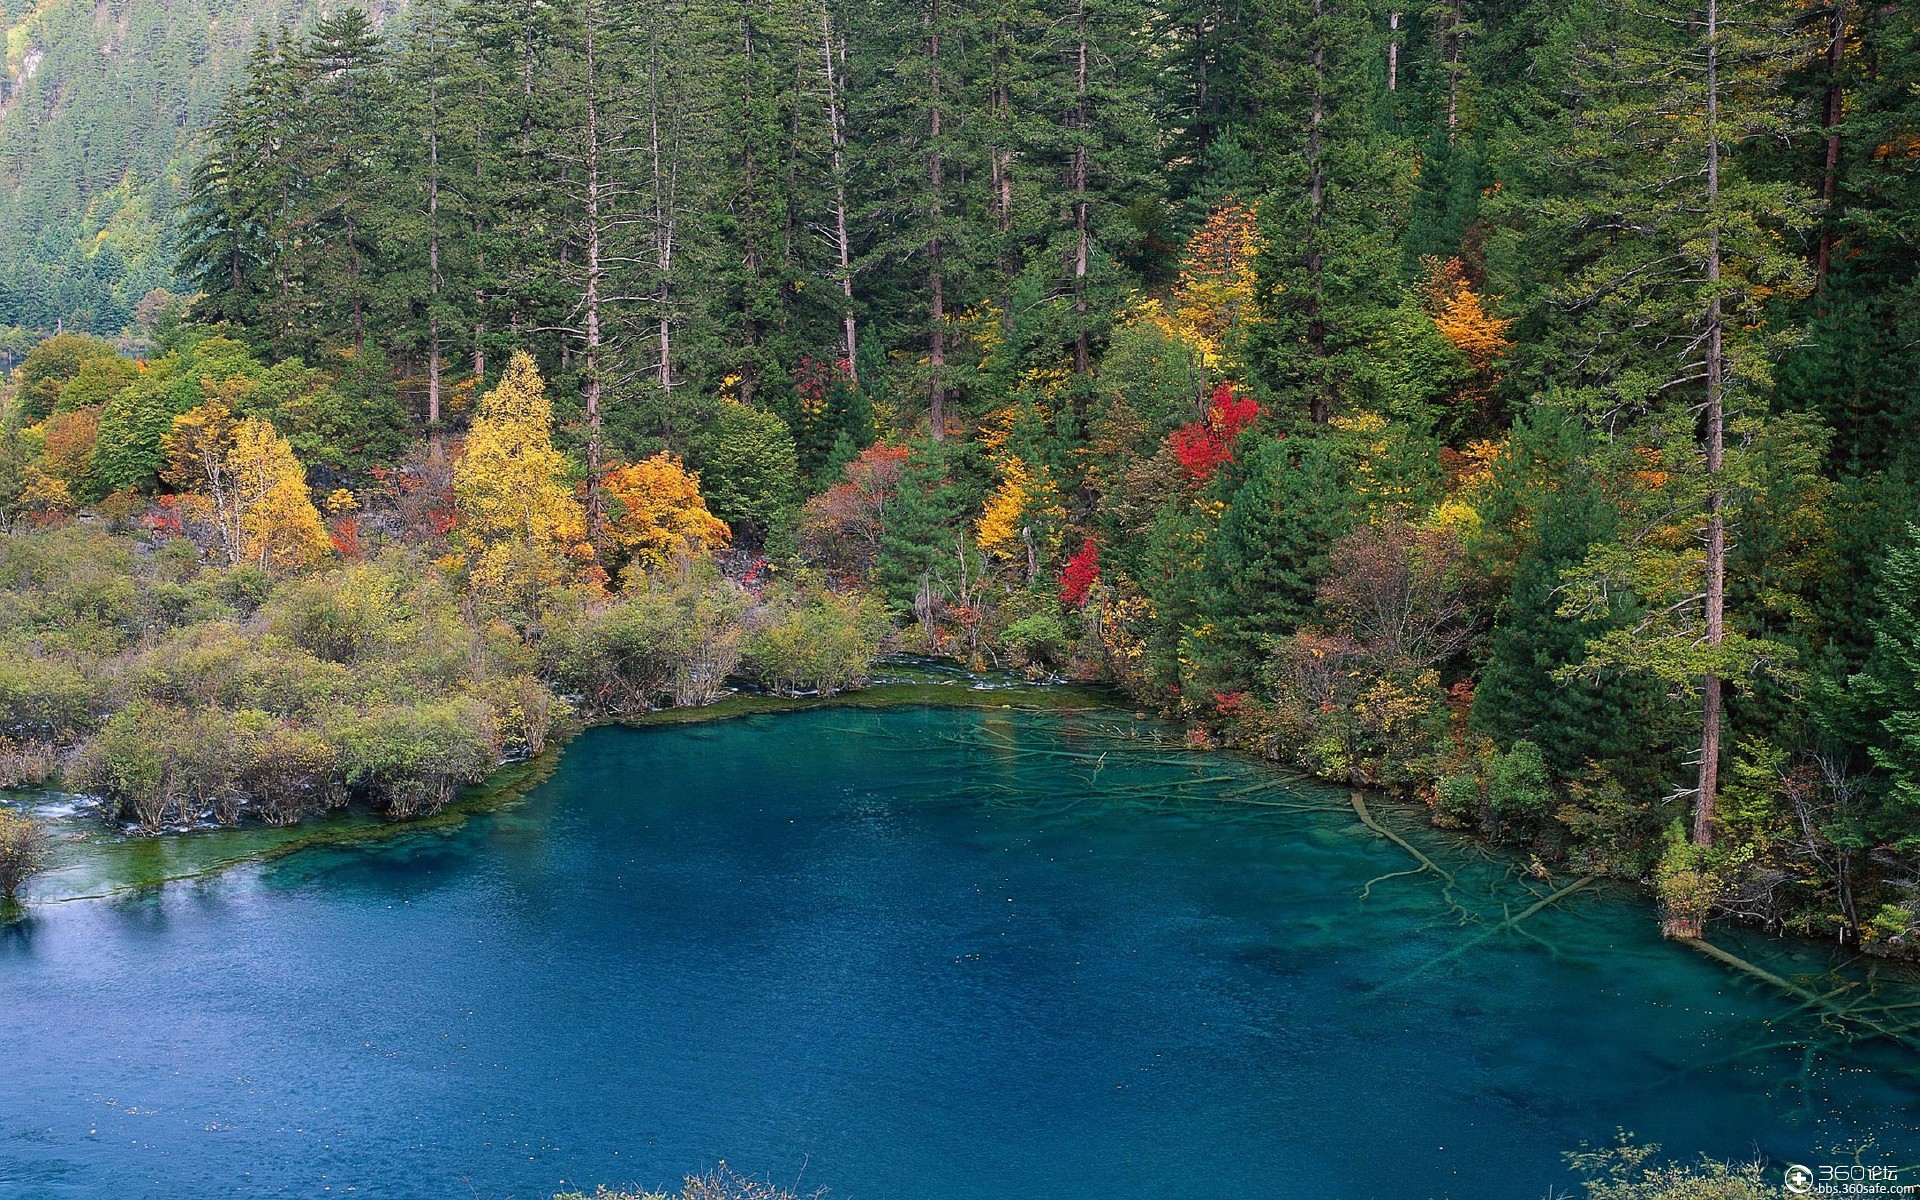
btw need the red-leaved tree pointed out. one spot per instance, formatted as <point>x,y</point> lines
<point>1080,574</point>
<point>1204,445</point>
<point>840,528</point>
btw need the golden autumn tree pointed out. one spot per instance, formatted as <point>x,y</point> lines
<point>196,450</point>
<point>1214,296</point>
<point>518,516</point>
<point>656,513</point>
<point>70,438</point>
<point>43,495</point>
<point>246,489</point>
<point>279,527</point>
<point>1460,314</point>
<point>1021,515</point>
<point>1473,342</point>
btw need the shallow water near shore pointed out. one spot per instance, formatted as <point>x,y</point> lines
<point>905,953</point>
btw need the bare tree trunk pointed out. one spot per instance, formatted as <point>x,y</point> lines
<point>750,247</point>
<point>1000,166</point>
<point>281,279</point>
<point>1716,565</point>
<point>1393,51</point>
<point>1201,84</point>
<point>662,253</point>
<point>479,244</point>
<point>665,212</point>
<point>594,272</point>
<point>353,276</point>
<point>1454,18</point>
<point>789,230</point>
<point>526,94</point>
<point>1830,120</point>
<point>433,272</point>
<point>936,284</point>
<point>518,316</point>
<point>1080,348</point>
<point>836,126</point>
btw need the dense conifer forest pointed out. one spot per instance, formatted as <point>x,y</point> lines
<point>1510,405</point>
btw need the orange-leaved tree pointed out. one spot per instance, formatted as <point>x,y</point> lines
<point>656,514</point>
<point>1461,316</point>
<point>840,528</point>
<point>70,437</point>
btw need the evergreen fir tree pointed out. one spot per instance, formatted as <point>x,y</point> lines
<point>1339,192</point>
<point>1286,507</point>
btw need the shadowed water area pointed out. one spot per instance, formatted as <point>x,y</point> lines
<point>915,953</point>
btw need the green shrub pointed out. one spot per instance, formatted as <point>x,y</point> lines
<point>1892,929</point>
<point>1457,800</point>
<point>816,641</point>
<point>289,770</point>
<point>1609,831</point>
<point>1625,1171</point>
<point>409,759</point>
<point>1691,880</point>
<point>1039,637</point>
<point>221,664</point>
<point>27,763</point>
<point>43,698</point>
<point>525,709</point>
<point>341,616</point>
<point>1519,787</point>
<point>721,1183</point>
<point>673,637</point>
<point>154,762</point>
<point>71,589</point>
<point>24,847</point>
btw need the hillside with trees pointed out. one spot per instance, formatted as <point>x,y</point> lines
<point>1510,405</point>
<point>100,109</point>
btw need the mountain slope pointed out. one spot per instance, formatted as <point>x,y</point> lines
<point>99,106</point>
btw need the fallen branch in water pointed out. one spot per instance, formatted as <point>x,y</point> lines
<point>1511,922</point>
<point>1427,864</point>
<point>1809,999</point>
<point>1367,890</point>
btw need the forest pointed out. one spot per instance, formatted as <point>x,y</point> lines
<point>1508,405</point>
<point>101,108</point>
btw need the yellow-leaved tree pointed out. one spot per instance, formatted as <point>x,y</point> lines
<point>246,489</point>
<point>279,527</point>
<point>1214,298</point>
<point>518,516</point>
<point>658,515</point>
<point>1022,515</point>
<point>1460,314</point>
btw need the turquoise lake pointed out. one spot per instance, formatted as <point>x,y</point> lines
<point>905,954</point>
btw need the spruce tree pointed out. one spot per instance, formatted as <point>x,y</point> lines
<point>1339,187</point>
<point>346,131</point>
<point>1885,694</point>
<point>1286,507</point>
<point>1522,693</point>
<point>930,234</point>
<point>430,280</point>
<point>1676,253</point>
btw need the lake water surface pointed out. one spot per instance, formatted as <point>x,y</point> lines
<point>912,954</point>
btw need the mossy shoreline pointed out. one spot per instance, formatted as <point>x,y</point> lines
<point>97,862</point>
